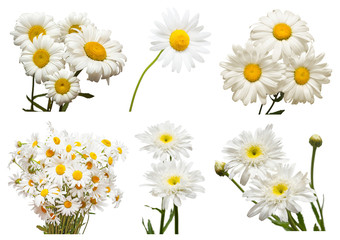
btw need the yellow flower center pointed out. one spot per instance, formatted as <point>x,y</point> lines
<point>282,31</point>
<point>41,58</point>
<point>43,209</point>
<point>68,148</point>
<point>56,140</point>
<point>117,198</point>
<point>120,150</point>
<point>60,169</point>
<point>106,142</point>
<point>30,183</point>
<point>49,153</point>
<point>89,165</point>
<point>110,160</point>
<point>179,40</point>
<point>35,31</point>
<point>252,72</point>
<point>95,51</point>
<point>93,155</point>
<point>67,204</point>
<point>254,151</point>
<point>77,175</point>
<point>73,156</point>
<point>93,201</point>
<point>44,192</point>
<point>108,189</point>
<point>78,144</point>
<point>34,144</point>
<point>166,138</point>
<point>62,86</point>
<point>95,179</point>
<point>83,204</point>
<point>79,186</point>
<point>73,28</point>
<point>301,75</point>
<point>174,180</point>
<point>280,189</point>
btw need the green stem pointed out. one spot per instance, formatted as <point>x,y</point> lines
<point>32,94</point>
<point>312,168</point>
<point>140,79</point>
<point>176,218</point>
<point>292,221</point>
<point>161,231</point>
<point>260,109</point>
<point>275,97</point>
<point>19,166</point>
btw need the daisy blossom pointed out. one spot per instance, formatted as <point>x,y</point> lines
<point>73,24</point>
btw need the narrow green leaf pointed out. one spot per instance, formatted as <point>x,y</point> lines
<point>171,216</point>
<point>36,104</point>
<point>157,209</point>
<point>277,112</point>
<point>41,228</point>
<point>150,229</point>
<point>316,228</point>
<point>301,223</point>
<point>86,95</point>
<point>28,110</point>
<point>146,230</point>
<point>315,212</point>
<point>64,107</point>
<point>284,225</point>
<point>39,95</point>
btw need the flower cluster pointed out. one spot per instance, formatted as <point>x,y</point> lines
<point>279,60</point>
<point>67,176</point>
<point>171,178</point>
<point>48,47</point>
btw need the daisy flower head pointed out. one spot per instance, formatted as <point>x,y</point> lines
<point>250,74</point>
<point>94,50</point>
<point>58,171</point>
<point>253,154</point>
<point>305,76</point>
<point>73,24</point>
<point>47,193</point>
<point>166,140</point>
<point>283,32</point>
<point>116,197</point>
<point>42,57</point>
<point>79,176</point>
<point>173,180</point>
<point>31,25</point>
<point>278,192</point>
<point>62,86</point>
<point>181,40</point>
<point>68,206</point>
<point>122,150</point>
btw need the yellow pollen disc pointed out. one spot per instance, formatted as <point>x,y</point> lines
<point>282,31</point>
<point>41,58</point>
<point>94,189</point>
<point>78,144</point>
<point>18,152</point>
<point>40,181</point>
<point>67,204</point>
<point>83,204</point>
<point>254,151</point>
<point>73,28</point>
<point>110,160</point>
<point>85,156</point>
<point>35,31</point>
<point>166,138</point>
<point>93,201</point>
<point>95,179</point>
<point>62,86</point>
<point>79,187</point>
<point>34,144</point>
<point>89,165</point>
<point>60,169</point>
<point>95,51</point>
<point>49,153</point>
<point>77,175</point>
<point>301,75</point>
<point>108,189</point>
<point>30,182</point>
<point>93,155</point>
<point>68,148</point>
<point>120,150</point>
<point>106,142</point>
<point>43,209</point>
<point>73,156</point>
<point>52,216</point>
<point>44,192</point>
<point>117,198</point>
<point>280,189</point>
<point>179,40</point>
<point>56,140</point>
<point>252,72</point>
<point>174,180</point>
<point>106,175</point>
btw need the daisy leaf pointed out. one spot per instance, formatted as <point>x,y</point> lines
<point>277,112</point>
<point>171,216</point>
<point>86,95</point>
<point>301,222</point>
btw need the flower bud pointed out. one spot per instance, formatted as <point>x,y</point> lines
<point>219,168</point>
<point>19,144</point>
<point>315,140</point>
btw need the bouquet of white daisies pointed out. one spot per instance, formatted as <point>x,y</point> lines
<point>66,176</point>
<point>278,60</point>
<point>274,187</point>
<point>171,178</point>
<point>48,47</point>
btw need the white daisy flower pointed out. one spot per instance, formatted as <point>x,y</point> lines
<point>68,206</point>
<point>62,86</point>
<point>31,25</point>
<point>80,176</point>
<point>304,77</point>
<point>279,192</point>
<point>166,140</point>
<point>98,191</point>
<point>94,50</point>
<point>48,192</point>
<point>52,219</point>
<point>174,181</point>
<point>15,180</point>
<point>251,155</point>
<point>73,24</point>
<point>78,191</point>
<point>122,150</point>
<point>28,185</point>
<point>284,33</point>
<point>41,211</point>
<point>251,73</point>
<point>59,171</point>
<point>116,197</point>
<point>97,204</point>
<point>43,57</point>
<point>181,39</point>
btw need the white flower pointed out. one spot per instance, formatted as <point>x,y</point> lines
<point>58,171</point>
<point>284,33</point>
<point>43,57</point>
<point>48,192</point>
<point>181,39</point>
<point>94,50</point>
<point>62,86</point>
<point>166,140</point>
<point>279,192</point>
<point>68,206</point>
<point>79,176</point>
<point>73,24</point>
<point>116,197</point>
<point>122,150</point>
<point>251,155</point>
<point>31,25</point>
<point>251,73</point>
<point>304,77</point>
<point>173,180</point>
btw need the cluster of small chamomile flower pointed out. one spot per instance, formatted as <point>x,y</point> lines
<point>274,187</point>
<point>48,48</point>
<point>67,176</point>
<point>172,178</point>
<point>279,60</point>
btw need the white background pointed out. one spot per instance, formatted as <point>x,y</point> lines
<point>195,100</point>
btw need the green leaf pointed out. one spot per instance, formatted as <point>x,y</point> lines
<point>277,112</point>
<point>279,99</point>
<point>41,228</point>
<point>64,107</point>
<point>36,104</point>
<point>86,95</point>
<point>285,225</point>
<point>301,223</point>
<point>316,228</point>
<point>157,209</point>
<point>28,110</point>
<point>149,229</point>
<point>316,212</point>
<point>39,95</point>
<point>171,216</point>
<point>146,230</point>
